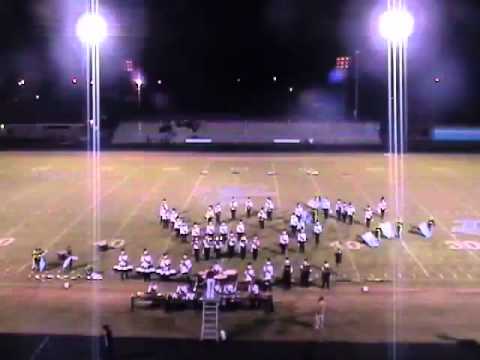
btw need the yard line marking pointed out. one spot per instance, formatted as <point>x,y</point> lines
<point>40,348</point>
<point>277,187</point>
<point>441,276</point>
<point>455,276</point>
<point>469,276</point>
<point>80,216</point>
<point>146,196</point>
<point>195,186</point>
<point>417,261</point>
<point>399,275</point>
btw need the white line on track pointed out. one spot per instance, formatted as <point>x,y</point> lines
<point>79,218</point>
<point>195,186</point>
<point>277,187</point>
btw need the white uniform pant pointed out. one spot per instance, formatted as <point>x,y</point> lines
<point>210,294</point>
<point>319,321</point>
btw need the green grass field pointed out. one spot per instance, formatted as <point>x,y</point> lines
<point>46,202</point>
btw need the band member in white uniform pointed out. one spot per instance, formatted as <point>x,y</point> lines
<point>209,214</point>
<point>123,266</point>
<point>262,216</point>
<point>368,216</point>
<point>172,216</point>
<point>184,231</point>
<point>268,274</point>
<point>248,207</point>
<point>255,246</point>
<point>293,223</point>
<point>299,211</point>
<point>350,213</point>
<point>164,213</point>
<point>232,242</point>
<point>233,207</point>
<point>146,267</point>
<point>240,229</point>
<point>249,273</point>
<point>317,231</point>
<point>223,230</point>
<point>165,269</point>
<point>243,247</point>
<point>399,228</point>
<point>176,226</point>
<point>382,207</point>
<point>196,232</point>
<point>196,249</point>
<point>210,229</point>
<point>301,225</point>
<point>206,247</point>
<point>269,206</point>
<point>301,239</point>
<point>283,242</point>
<point>185,265</point>
<point>338,209</point>
<point>325,205</point>
<point>305,271</point>
<point>218,213</point>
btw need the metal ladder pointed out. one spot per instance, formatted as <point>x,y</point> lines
<point>210,320</point>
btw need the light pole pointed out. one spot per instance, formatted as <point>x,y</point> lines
<point>357,79</point>
<point>139,83</point>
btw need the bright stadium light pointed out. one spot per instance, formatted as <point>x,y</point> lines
<point>396,25</point>
<point>91,29</point>
<point>139,82</point>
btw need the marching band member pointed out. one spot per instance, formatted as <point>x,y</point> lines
<point>268,273</point>
<point>338,257</point>
<point>398,228</point>
<point>382,207</point>
<point>430,223</point>
<point>317,230</point>
<point>287,273</point>
<point>70,258</point>
<point>299,211</point>
<point>209,214</point>
<point>240,229</point>
<point>248,207</point>
<point>325,205</point>
<point>165,267</point>
<point>233,207</point>
<point>196,232</point>
<point>269,206</point>
<point>338,209</point>
<point>164,213</point>
<point>350,213</point>
<point>123,265</point>
<point>249,273</point>
<point>283,242</point>
<point>218,247</point>
<point>255,246</point>
<point>315,205</point>
<point>184,231</point>
<point>243,247</point>
<point>305,271</point>
<point>172,216</point>
<point>294,223</point>
<point>232,242</point>
<point>218,212</point>
<point>146,265</point>
<point>301,239</point>
<point>196,249</point>
<point>326,273</point>
<point>152,288</point>
<point>185,265</point>
<point>344,211</point>
<point>223,230</point>
<point>368,216</point>
<point>164,204</point>
<point>210,230</point>
<point>206,247</point>
<point>38,260</point>
<point>301,225</point>
<point>262,216</point>
<point>176,226</point>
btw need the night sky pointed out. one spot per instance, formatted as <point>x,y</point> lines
<point>199,49</point>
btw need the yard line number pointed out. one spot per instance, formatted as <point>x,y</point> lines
<point>350,245</point>
<point>6,241</point>
<point>463,245</point>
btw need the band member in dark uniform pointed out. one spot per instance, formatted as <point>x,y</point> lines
<point>196,249</point>
<point>398,228</point>
<point>326,273</point>
<point>305,271</point>
<point>206,247</point>
<point>283,242</point>
<point>255,246</point>
<point>243,247</point>
<point>232,241</point>
<point>218,247</point>
<point>338,256</point>
<point>287,274</point>
<point>233,207</point>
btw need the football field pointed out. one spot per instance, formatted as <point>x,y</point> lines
<point>46,202</point>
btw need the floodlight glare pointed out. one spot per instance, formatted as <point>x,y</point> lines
<point>91,29</point>
<point>138,82</point>
<point>396,25</point>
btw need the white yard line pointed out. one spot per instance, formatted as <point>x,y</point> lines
<point>79,218</point>
<point>412,255</point>
<point>276,185</point>
<point>195,186</point>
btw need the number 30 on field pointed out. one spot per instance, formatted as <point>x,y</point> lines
<point>463,245</point>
